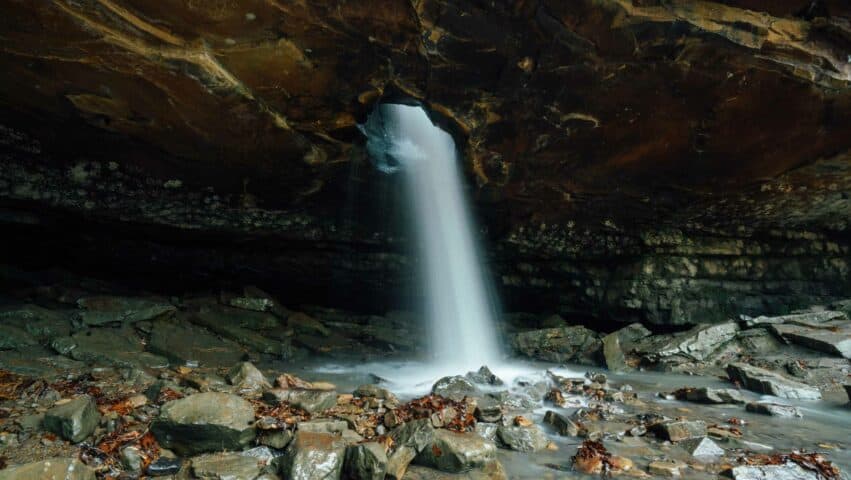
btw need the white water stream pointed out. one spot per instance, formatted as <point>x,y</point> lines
<point>403,139</point>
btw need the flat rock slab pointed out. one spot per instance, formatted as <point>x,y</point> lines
<point>774,409</point>
<point>491,471</point>
<point>109,346</point>
<point>75,420</point>
<point>251,329</point>
<point>834,339</point>
<point>456,452</point>
<point>182,342</point>
<point>765,381</point>
<point>103,310</point>
<point>714,396</point>
<point>314,456</point>
<point>205,422</point>
<point>788,471</point>
<point>226,466</point>
<point>50,469</point>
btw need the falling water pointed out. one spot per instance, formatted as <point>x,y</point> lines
<point>402,138</point>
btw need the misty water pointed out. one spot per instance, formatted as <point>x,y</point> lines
<point>403,140</point>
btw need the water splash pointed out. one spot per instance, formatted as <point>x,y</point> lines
<point>403,139</point>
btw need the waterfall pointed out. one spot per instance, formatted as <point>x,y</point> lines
<point>403,139</point>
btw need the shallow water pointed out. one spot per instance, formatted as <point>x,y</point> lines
<point>825,426</point>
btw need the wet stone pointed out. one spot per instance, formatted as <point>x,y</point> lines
<point>182,342</point>
<point>226,466</point>
<point>313,456</point>
<point>106,310</point>
<point>310,400</point>
<point>205,422</point>
<point>417,434</point>
<point>75,420</point>
<point>374,391</point>
<point>561,424</point>
<point>491,471</point>
<point>666,468</point>
<point>50,469</point>
<point>774,409</point>
<point>455,387</point>
<point>767,382</point>
<point>566,344</point>
<point>367,461</point>
<point>456,452</point>
<point>702,448</point>
<point>164,466</point>
<point>305,324</point>
<point>277,439</point>
<point>788,471</point>
<point>484,376</point>
<point>325,425</point>
<point>109,346</point>
<point>522,439</point>
<point>683,430</point>
<point>247,378</point>
<point>834,338</point>
<point>714,395</point>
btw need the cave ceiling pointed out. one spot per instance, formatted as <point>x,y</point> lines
<point>606,113</point>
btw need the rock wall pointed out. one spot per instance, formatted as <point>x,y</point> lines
<point>669,162</point>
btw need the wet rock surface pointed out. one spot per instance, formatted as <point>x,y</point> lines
<point>73,420</point>
<point>199,418</point>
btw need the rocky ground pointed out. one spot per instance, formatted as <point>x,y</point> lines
<point>100,384</point>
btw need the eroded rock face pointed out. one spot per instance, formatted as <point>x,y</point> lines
<point>671,163</point>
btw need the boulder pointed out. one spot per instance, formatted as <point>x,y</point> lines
<point>455,452</point>
<point>417,434</point>
<point>787,471</point>
<point>75,420</point>
<point>50,469</point>
<point>681,430</point>
<point>561,424</point>
<point>832,338</point>
<point>767,382</point>
<point>313,456</point>
<point>205,422</point>
<point>522,439</point>
<point>366,461</point>
<point>566,344</point>
<point>398,462</point>
<point>311,401</point>
<point>247,378</point>
<point>455,387</point>
<point>226,466</point>
<point>617,345</point>
<point>774,409</point>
